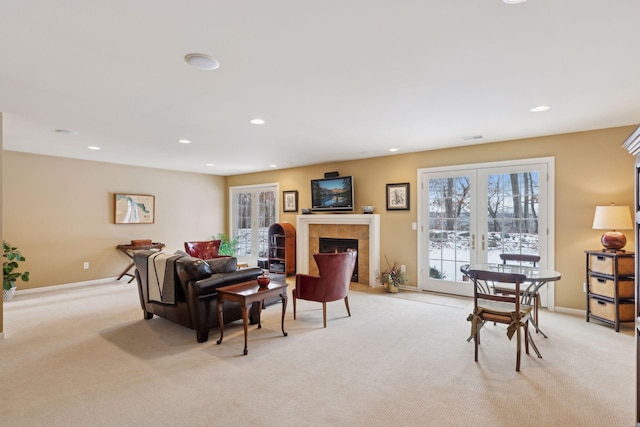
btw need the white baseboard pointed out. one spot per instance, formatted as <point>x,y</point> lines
<point>66,286</point>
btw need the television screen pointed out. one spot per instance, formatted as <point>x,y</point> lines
<point>332,194</point>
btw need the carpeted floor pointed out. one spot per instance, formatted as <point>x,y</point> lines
<point>85,356</point>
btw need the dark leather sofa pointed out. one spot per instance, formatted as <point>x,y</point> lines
<point>196,281</point>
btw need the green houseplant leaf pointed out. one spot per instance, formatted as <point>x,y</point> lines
<point>227,246</point>
<point>11,259</point>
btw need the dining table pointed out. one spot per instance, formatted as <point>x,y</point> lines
<point>536,278</point>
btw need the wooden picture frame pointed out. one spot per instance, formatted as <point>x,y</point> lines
<point>290,201</point>
<point>398,197</point>
<point>134,208</point>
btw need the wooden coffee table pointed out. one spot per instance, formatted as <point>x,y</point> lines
<point>247,294</point>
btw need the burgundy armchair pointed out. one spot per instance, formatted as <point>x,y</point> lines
<point>203,250</point>
<point>332,284</point>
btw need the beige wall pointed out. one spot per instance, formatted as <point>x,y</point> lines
<point>591,169</point>
<point>59,212</point>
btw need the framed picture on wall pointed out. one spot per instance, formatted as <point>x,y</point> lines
<point>290,201</point>
<point>135,209</point>
<point>398,197</point>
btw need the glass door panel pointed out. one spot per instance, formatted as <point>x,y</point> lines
<point>450,235</point>
<point>254,209</point>
<point>512,219</point>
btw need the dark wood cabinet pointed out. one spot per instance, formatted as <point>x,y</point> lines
<point>611,287</point>
<point>282,248</point>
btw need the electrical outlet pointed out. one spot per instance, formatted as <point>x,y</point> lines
<point>403,268</point>
<point>584,287</point>
<point>86,265</point>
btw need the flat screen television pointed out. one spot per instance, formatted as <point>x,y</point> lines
<point>332,194</point>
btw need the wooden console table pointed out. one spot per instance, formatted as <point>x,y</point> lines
<point>129,250</point>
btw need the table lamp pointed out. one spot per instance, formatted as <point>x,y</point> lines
<point>612,218</point>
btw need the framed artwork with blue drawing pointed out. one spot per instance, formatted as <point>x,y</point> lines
<point>134,209</point>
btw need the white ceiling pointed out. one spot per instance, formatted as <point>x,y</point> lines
<point>334,79</point>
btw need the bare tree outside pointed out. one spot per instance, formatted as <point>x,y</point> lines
<point>512,220</point>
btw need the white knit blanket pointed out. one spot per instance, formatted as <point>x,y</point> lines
<point>161,284</point>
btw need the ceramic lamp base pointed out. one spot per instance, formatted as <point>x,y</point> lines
<point>613,240</point>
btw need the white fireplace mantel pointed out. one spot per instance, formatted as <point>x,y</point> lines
<point>302,238</point>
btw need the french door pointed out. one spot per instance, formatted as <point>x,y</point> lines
<point>252,210</point>
<point>472,213</point>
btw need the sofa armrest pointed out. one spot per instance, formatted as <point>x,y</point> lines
<point>207,287</point>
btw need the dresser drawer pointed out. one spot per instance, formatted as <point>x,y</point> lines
<point>605,287</point>
<point>606,310</point>
<point>601,263</point>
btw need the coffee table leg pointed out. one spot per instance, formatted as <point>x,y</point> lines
<point>260,304</point>
<point>245,323</point>
<point>220,319</point>
<point>284,309</point>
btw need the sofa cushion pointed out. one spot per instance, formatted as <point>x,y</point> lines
<point>225,264</point>
<point>190,268</point>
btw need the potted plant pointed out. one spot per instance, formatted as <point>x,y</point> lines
<point>392,277</point>
<point>227,246</point>
<point>11,258</point>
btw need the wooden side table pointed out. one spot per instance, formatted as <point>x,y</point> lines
<point>129,250</point>
<point>246,294</point>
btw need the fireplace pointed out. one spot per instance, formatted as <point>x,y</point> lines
<point>365,228</point>
<point>332,245</point>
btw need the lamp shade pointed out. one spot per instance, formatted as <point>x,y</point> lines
<point>612,218</point>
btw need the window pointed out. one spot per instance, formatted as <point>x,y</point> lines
<point>253,209</point>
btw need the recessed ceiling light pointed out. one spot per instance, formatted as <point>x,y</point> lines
<point>257,121</point>
<point>273,166</point>
<point>513,1</point>
<point>93,147</point>
<point>184,141</point>
<point>472,137</point>
<point>202,61</point>
<point>393,150</point>
<point>65,131</point>
<point>539,108</point>
<point>210,164</point>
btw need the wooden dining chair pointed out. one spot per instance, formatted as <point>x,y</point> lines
<point>503,288</point>
<point>507,309</point>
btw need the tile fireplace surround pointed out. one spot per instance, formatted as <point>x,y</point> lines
<point>364,227</point>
